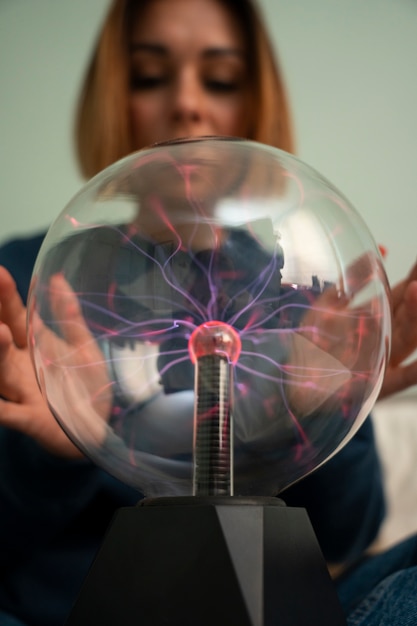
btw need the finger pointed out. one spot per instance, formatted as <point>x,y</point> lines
<point>6,340</point>
<point>410,296</point>
<point>13,311</point>
<point>397,292</point>
<point>11,377</point>
<point>398,379</point>
<point>361,272</point>
<point>67,312</point>
<point>404,333</point>
<point>412,275</point>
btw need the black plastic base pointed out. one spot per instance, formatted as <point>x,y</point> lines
<point>209,562</point>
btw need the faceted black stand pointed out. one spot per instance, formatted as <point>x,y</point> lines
<point>209,561</point>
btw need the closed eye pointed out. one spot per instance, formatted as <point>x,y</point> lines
<point>221,86</point>
<point>143,83</point>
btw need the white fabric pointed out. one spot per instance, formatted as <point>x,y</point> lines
<point>395,421</point>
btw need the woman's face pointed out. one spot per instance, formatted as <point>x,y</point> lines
<point>188,72</point>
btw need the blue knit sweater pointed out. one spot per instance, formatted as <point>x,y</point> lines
<point>54,512</point>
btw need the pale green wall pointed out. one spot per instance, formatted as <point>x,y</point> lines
<point>351,70</point>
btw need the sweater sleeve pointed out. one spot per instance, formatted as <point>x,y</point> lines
<point>40,494</point>
<point>344,498</point>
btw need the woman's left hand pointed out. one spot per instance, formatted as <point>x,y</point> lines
<point>400,375</point>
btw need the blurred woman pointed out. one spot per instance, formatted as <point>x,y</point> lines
<point>161,69</point>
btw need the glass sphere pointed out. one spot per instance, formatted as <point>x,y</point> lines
<point>209,292</point>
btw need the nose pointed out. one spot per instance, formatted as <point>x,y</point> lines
<point>188,104</point>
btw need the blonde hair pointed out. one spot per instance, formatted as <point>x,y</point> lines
<point>102,125</point>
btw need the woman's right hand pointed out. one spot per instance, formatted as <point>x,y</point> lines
<point>22,406</point>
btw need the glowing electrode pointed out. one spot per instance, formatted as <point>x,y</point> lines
<point>214,349</point>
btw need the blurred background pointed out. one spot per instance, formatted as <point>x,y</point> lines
<point>350,67</point>
<point>351,71</point>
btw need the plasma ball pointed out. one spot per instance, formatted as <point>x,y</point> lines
<point>214,338</point>
<point>209,316</point>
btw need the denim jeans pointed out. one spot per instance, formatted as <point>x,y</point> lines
<point>392,603</point>
<point>382,589</point>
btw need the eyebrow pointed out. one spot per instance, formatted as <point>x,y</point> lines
<point>160,50</point>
